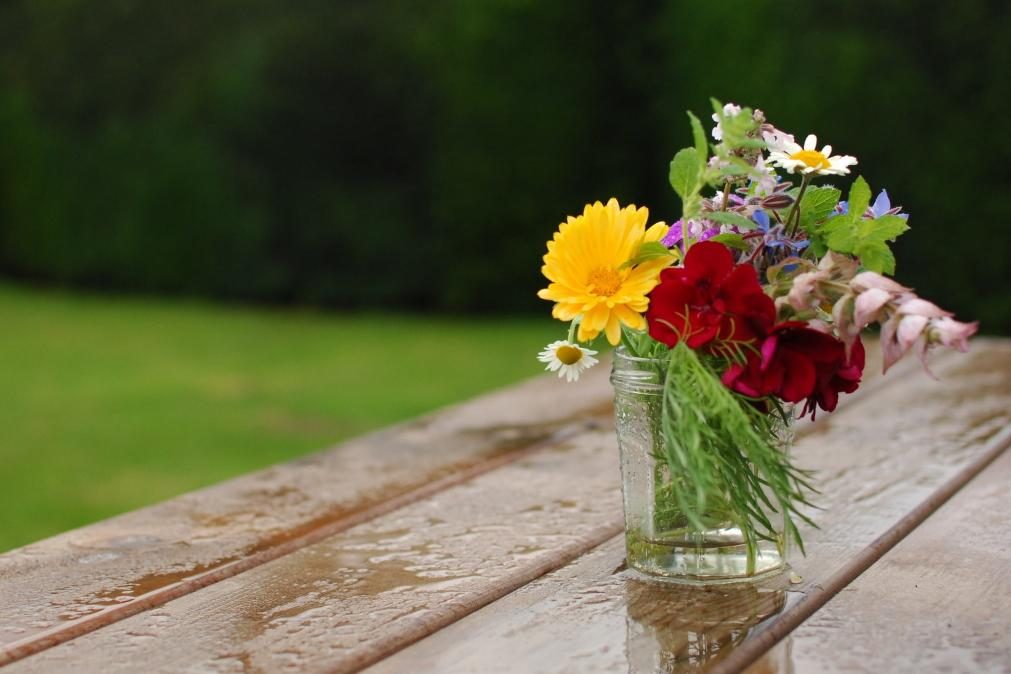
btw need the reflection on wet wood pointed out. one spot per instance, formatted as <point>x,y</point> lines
<point>877,459</point>
<point>674,629</point>
<point>940,600</point>
<point>72,583</point>
<point>373,589</point>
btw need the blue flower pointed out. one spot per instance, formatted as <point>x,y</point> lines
<point>882,206</point>
<point>774,236</point>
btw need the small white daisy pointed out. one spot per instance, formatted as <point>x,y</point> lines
<point>568,359</point>
<point>807,159</point>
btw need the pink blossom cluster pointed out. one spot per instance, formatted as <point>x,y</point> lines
<point>859,299</point>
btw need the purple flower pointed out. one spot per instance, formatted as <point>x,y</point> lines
<point>673,235</point>
<point>697,230</point>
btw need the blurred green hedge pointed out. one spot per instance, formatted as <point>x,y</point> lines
<point>387,153</point>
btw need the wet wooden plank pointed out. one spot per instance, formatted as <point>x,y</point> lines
<point>878,459</point>
<point>197,619</point>
<point>939,601</point>
<point>368,591</point>
<point>78,581</point>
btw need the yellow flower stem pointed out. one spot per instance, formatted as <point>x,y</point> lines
<point>572,330</point>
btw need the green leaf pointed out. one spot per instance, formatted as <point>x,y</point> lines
<point>876,256</point>
<point>885,228</point>
<point>699,135</point>
<point>818,246</point>
<point>735,166</point>
<point>818,204</point>
<point>730,218</point>
<point>685,171</point>
<point>692,206</point>
<point>739,131</point>
<point>840,234</point>
<point>650,250</point>
<point>860,197</point>
<point>730,239</point>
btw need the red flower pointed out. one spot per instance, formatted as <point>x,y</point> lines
<point>709,298</point>
<point>796,363</point>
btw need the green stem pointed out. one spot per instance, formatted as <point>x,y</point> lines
<point>793,218</point>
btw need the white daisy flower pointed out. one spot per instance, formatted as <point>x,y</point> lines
<point>787,154</point>
<point>568,359</point>
<point>729,110</point>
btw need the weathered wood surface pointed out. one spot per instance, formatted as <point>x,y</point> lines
<point>75,582</point>
<point>877,459</point>
<point>368,591</point>
<point>79,581</point>
<point>477,537</point>
<point>939,601</point>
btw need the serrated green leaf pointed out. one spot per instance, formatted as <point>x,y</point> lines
<point>730,239</point>
<point>699,135</point>
<point>840,234</point>
<point>885,228</point>
<point>730,218</point>
<point>818,204</point>
<point>876,256</point>
<point>650,250</point>
<point>685,171</point>
<point>860,197</point>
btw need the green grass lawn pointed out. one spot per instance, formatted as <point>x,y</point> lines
<point>109,404</point>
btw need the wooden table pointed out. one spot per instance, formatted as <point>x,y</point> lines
<point>487,538</point>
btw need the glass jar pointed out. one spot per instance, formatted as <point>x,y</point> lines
<point>660,542</point>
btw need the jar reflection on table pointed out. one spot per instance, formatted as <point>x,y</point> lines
<point>680,628</point>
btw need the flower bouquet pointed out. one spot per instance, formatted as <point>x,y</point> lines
<point>746,310</point>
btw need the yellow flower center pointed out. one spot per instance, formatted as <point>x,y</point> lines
<point>570,355</point>
<point>812,158</point>
<point>604,281</point>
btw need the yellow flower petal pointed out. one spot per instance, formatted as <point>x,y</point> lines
<point>585,264</point>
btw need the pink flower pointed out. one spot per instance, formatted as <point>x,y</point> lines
<point>914,306</point>
<point>951,333</point>
<point>868,306</point>
<point>802,294</point>
<point>868,279</point>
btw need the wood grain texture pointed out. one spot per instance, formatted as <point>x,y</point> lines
<point>877,459</point>
<point>350,600</point>
<point>939,601</point>
<point>70,584</point>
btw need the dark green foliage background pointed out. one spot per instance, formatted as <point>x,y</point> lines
<point>389,153</point>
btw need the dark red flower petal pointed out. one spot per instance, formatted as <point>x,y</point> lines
<point>709,261</point>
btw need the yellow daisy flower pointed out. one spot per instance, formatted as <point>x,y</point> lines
<point>584,264</point>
